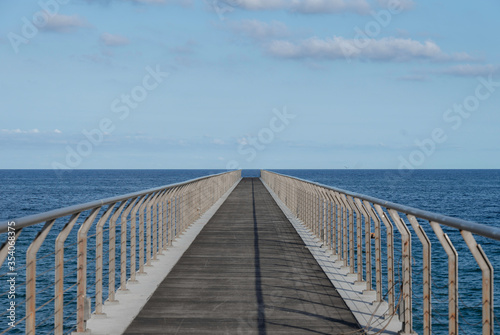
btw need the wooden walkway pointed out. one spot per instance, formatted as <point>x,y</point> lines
<point>247,272</point>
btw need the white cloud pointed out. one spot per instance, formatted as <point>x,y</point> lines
<point>150,1</point>
<point>385,49</point>
<point>64,23</point>
<point>468,70</point>
<point>160,2</point>
<point>187,48</point>
<point>242,141</point>
<point>258,4</point>
<point>416,77</point>
<point>184,3</point>
<point>218,141</point>
<point>114,40</point>
<point>260,30</point>
<point>400,5</point>
<point>330,6</point>
<point>303,6</point>
<point>29,131</point>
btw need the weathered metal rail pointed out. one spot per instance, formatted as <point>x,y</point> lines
<point>146,222</point>
<point>338,218</point>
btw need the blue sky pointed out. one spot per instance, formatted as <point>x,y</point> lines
<point>250,84</point>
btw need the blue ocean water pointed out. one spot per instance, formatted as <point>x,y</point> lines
<point>469,194</point>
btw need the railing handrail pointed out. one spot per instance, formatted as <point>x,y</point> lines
<point>461,224</point>
<point>30,220</point>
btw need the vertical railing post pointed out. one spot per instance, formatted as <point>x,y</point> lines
<point>99,258</point>
<point>333,222</point>
<point>390,258</point>
<point>351,234</point>
<point>452,277</point>
<point>338,225</point>
<point>407,278</point>
<point>59,275</point>
<point>171,216</point>
<point>345,255</point>
<point>147,228</point>
<point>427,279</point>
<point>31,276</point>
<point>370,215</point>
<point>359,239</point>
<point>82,270</point>
<point>133,238</point>
<point>123,243</point>
<point>487,287</point>
<point>112,253</point>
<point>154,225</point>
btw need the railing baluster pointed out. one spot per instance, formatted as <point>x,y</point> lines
<point>487,287</point>
<point>345,255</point>
<point>31,276</point>
<point>82,270</point>
<point>427,279</point>
<point>154,225</point>
<point>370,215</point>
<point>59,276</point>
<point>160,223</point>
<point>133,238</point>
<point>112,253</point>
<point>338,225</point>
<point>406,254</point>
<point>390,258</point>
<point>147,228</point>
<point>452,277</point>
<point>359,238</point>
<point>141,232</point>
<point>123,244</point>
<point>351,235</point>
<point>99,258</point>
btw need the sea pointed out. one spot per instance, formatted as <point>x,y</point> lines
<point>467,194</point>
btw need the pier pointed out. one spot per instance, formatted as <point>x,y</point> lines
<point>248,271</point>
<point>229,255</point>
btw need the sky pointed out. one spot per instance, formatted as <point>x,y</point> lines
<point>325,84</point>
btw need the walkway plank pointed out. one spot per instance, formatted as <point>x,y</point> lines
<point>247,272</point>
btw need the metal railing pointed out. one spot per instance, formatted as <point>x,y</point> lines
<point>131,230</point>
<point>338,218</point>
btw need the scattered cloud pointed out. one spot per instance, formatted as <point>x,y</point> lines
<point>184,49</point>
<point>468,70</point>
<point>64,23</point>
<point>303,6</point>
<point>104,57</point>
<point>401,5</point>
<point>112,40</point>
<point>218,141</point>
<point>385,49</point>
<point>331,6</point>
<point>28,131</point>
<point>185,3</point>
<point>31,137</point>
<point>259,30</point>
<point>415,77</point>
